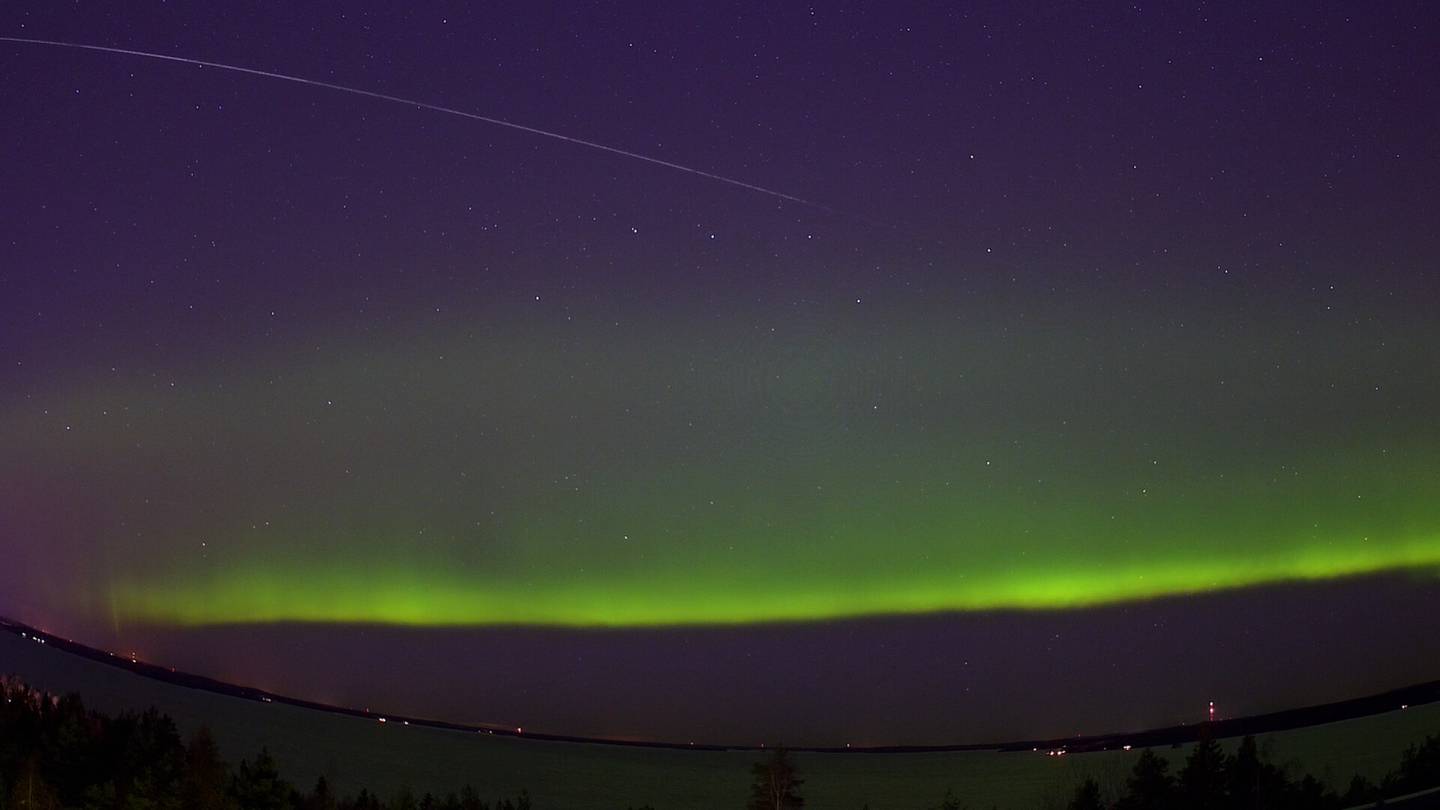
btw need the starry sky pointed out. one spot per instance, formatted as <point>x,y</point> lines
<point>1108,350</point>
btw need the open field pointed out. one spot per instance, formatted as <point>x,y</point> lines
<point>355,753</point>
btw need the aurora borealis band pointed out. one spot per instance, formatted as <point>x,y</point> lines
<point>594,481</point>
<point>1118,338</point>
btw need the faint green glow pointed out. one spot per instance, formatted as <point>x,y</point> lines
<point>847,471</point>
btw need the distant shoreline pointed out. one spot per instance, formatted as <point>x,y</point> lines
<point>1286,720</point>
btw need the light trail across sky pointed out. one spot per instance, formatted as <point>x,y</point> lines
<point>779,195</point>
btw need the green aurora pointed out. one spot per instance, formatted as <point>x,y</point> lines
<point>437,598</point>
<point>837,468</point>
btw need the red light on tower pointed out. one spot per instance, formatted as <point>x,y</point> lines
<point>1212,711</point>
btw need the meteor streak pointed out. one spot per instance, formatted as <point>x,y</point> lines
<point>424,106</point>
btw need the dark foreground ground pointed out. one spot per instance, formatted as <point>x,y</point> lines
<point>355,752</point>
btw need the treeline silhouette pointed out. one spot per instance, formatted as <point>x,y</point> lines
<point>57,755</point>
<point>1211,779</point>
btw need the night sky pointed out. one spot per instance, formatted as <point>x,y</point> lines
<point>1106,350</point>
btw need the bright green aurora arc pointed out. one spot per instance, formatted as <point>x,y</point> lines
<point>820,462</point>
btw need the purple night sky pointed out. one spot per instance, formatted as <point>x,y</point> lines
<point>971,373</point>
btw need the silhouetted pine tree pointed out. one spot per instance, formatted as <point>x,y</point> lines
<point>320,798</point>
<point>1201,785</point>
<point>258,786</point>
<point>1149,786</point>
<point>1245,777</point>
<point>70,748</point>
<point>141,763</point>
<point>1310,794</point>
<point>1253,782</point>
